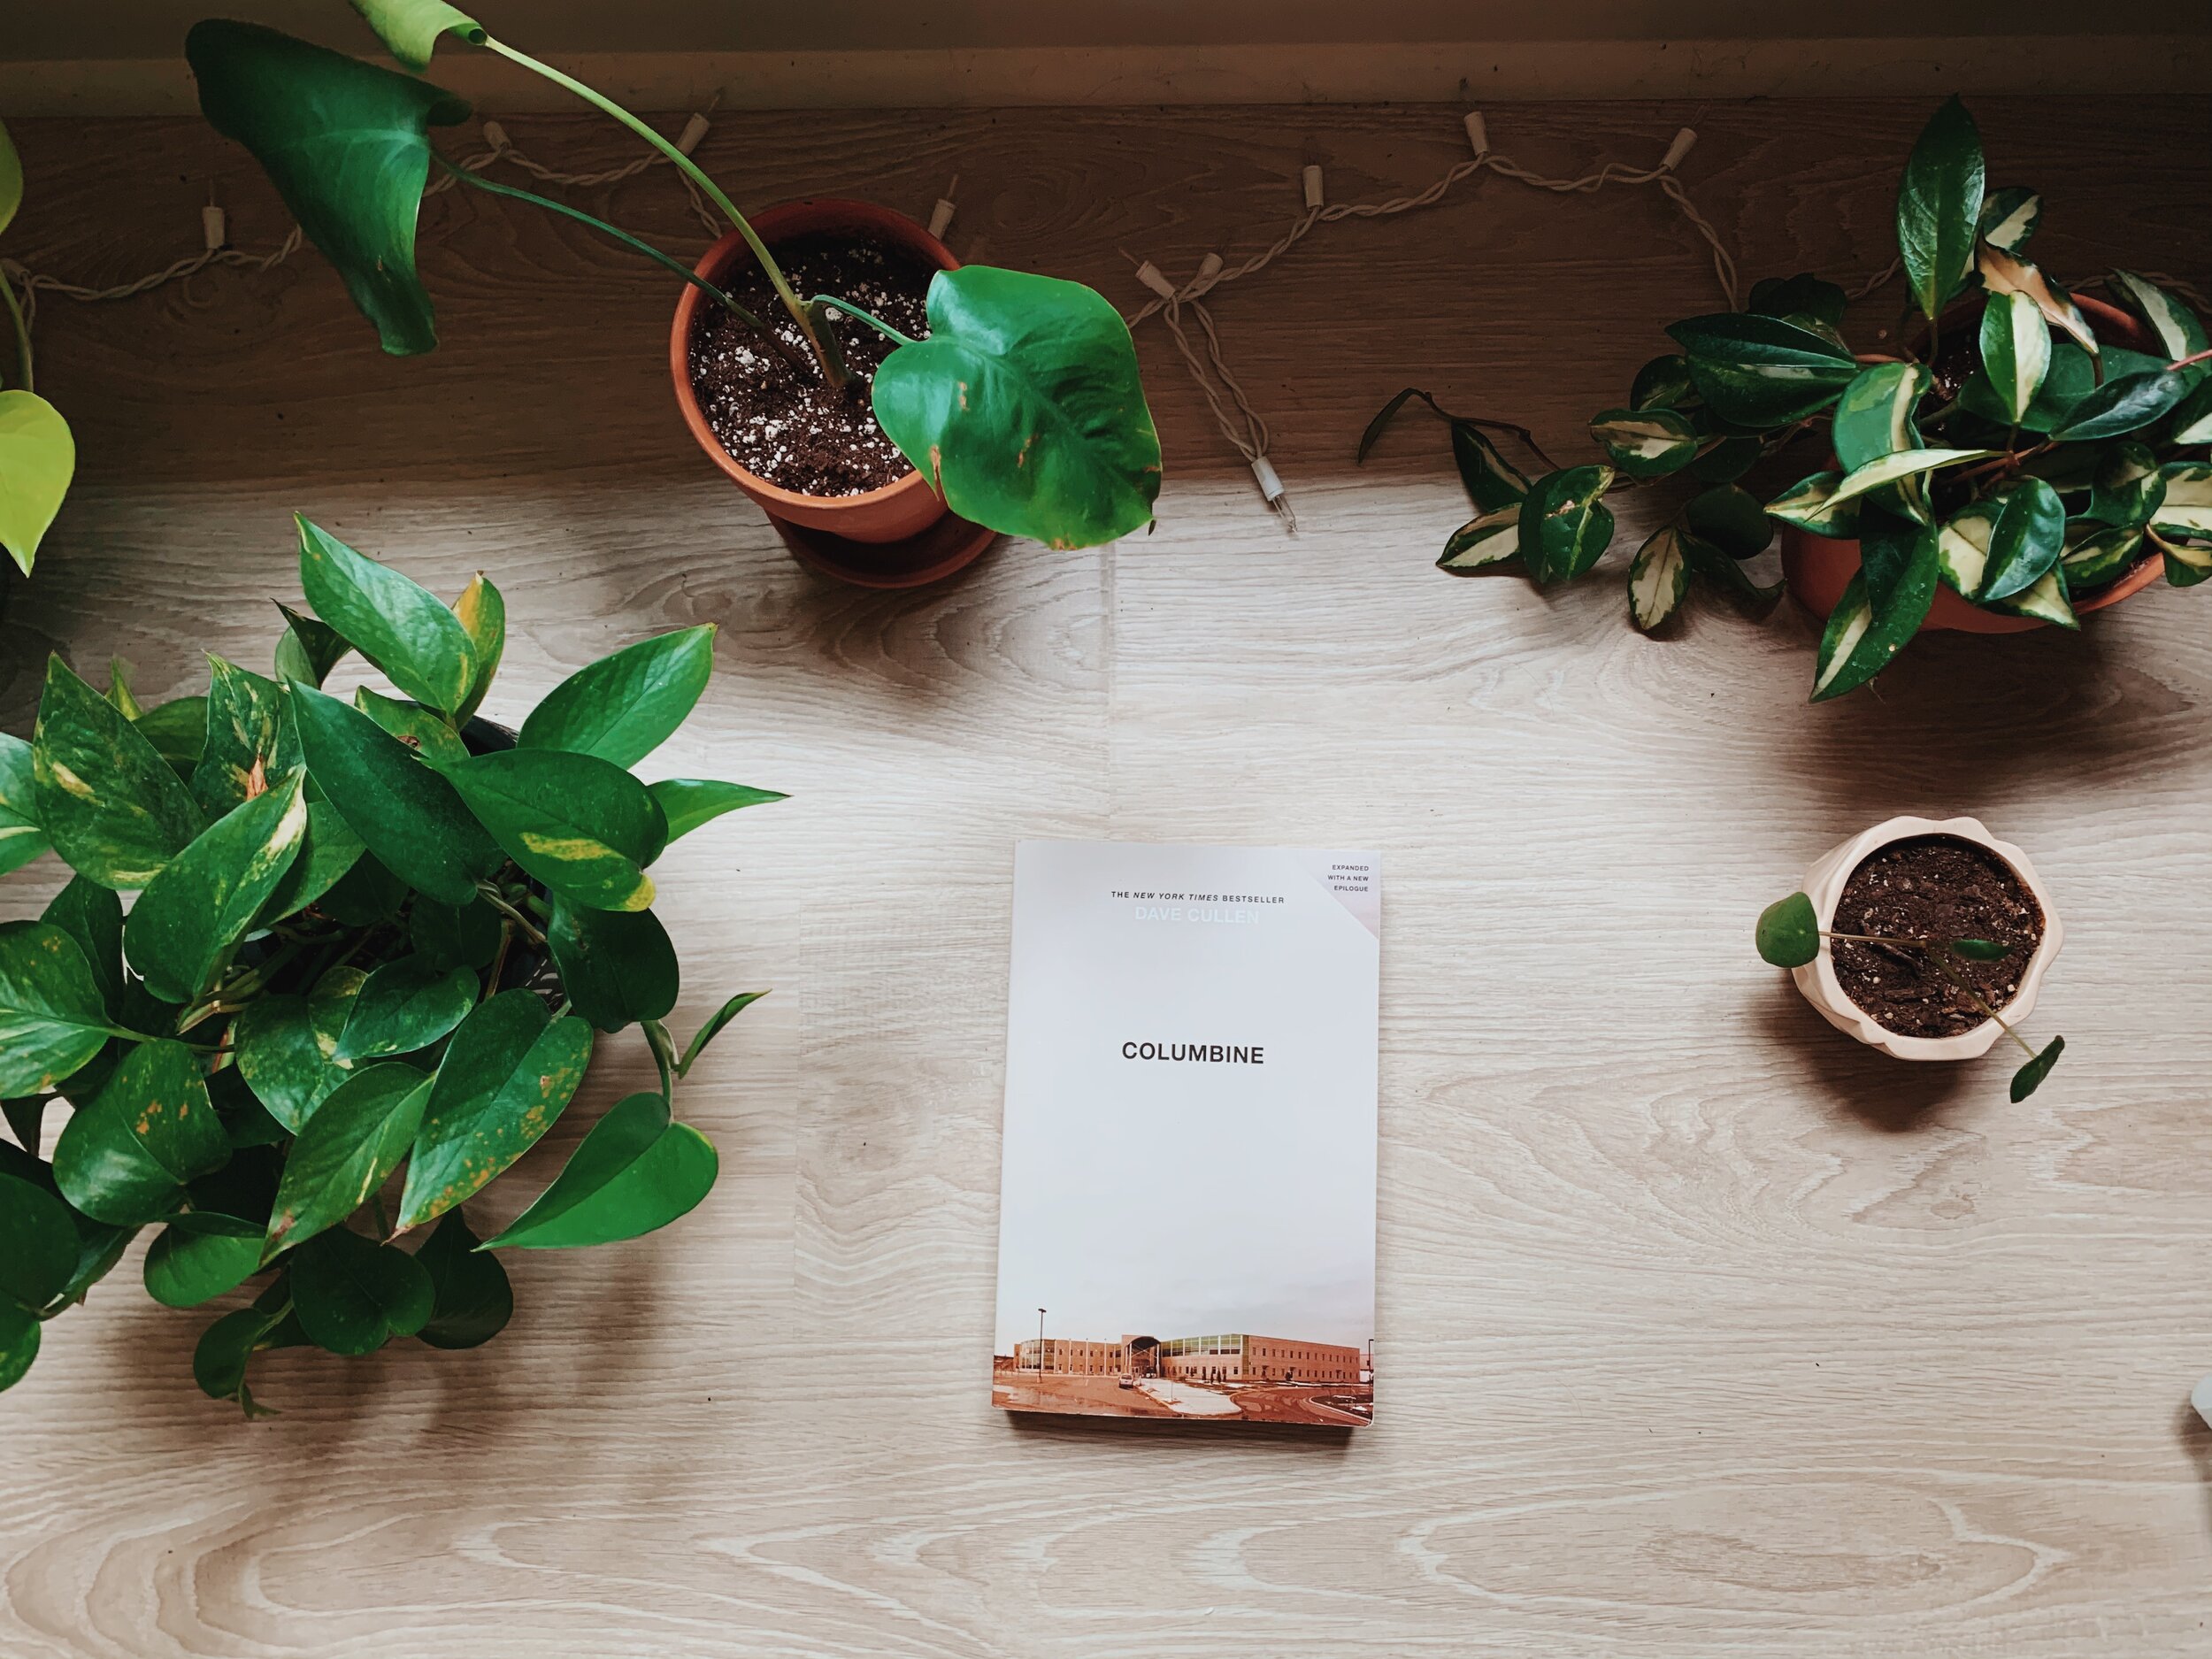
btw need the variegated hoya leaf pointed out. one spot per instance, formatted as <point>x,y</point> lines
<point>1963,546</point>
<point>1646,443</point>
<point>2010,217</point>
<point>2098,554</point>
<point>2127,488</point>
<point>1491,481</point>
<point>2187,563</point>
<point>2192,421</point>
<point>2045,600</point>
<point>2003,273</point>
<point>2025,542</point>
<point>1486,539</point>
<point>2016,346</point>
<point>1657,578</point>
<point>2186,509</point>
<point>2180,331</point>
<point>1861,637</point>
<point>1807,504</point>
<point>1889,468</point>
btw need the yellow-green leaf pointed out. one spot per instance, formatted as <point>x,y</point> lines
<point>38,457</point>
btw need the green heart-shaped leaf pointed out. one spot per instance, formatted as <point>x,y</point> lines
<point>353,1294</point>
<point>580,825</point>
<point>410,29</point>
<point>111,804</point>
<point>1564,526</point>
<point>506,1075</point>
<point>346,144</point>
<point>191,917</point>
<point>617,966</point>
<point>126,1158</point>
<point>1788,934</point>
<point>355,1139</point>
<point>52,1017</point>
<point>470,1298</point>
<point>687,802</point>
<point>623,707</point>
<point>1024,408</point>
<point>408,815</point>
<point>636,1170</point>
<point>400,626</point>
<point>38,457</point>
<point>288,1046</point>
<point>1940,207</point>
<point>199,1256</point>
<point>403,1006</point>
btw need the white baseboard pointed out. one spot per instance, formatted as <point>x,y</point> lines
<point>1423,73</point>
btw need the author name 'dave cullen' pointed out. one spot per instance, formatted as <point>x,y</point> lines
<point>1210,1053</point>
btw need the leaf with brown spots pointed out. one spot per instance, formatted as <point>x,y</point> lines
<point>126,1158</point>
<point>52,1018</point>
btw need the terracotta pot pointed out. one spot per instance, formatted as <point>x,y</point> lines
<point>896,512</point>
<point>1817,979</point>
<point>1818,569</point>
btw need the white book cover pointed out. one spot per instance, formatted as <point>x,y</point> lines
<point>1187,1207</point>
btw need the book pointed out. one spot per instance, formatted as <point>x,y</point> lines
<point>1187,1206</point>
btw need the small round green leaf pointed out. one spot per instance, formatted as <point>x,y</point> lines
<point>1788,934</point>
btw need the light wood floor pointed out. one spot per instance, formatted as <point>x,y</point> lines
<point>1703,1331</point>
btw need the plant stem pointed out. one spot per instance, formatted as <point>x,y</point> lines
<point>1522,432</point>
<point>497,899</point>
<point>867,317</point>
<point>499,960</point>
<point>2197,357</point>
<point>692,170</point>
<point>22,334</point>
<point>1935,960</point>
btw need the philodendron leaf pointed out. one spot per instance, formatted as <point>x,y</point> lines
<point>2184,508</point>
<point>1861,637</point>
<point>1564,526</point>
<point>346,145</point>
<point>1806,505</point>
<point>38,457</point>
<point>400,626</point>
<point>191,918</point>
<point>2128,488</point>
<point>408,815</point>
<point>247,742</point>
<point>52,1017</point>
<point>483,613</point>
<point>1940,207</point>
<point>1024,408</point>
<point>199,1256</point>
<point>403,1006</point>
<point>506,1075</point>
<point>2016,347</point>
<point>21,840</point>
<point>353,1294</point>
<point>1762,371</point>
<point>2026,541</point>
<point>623,707</point>
<point>617,966</point>
<point>2180,331</point>
<point>1891,469</point>
<point>2010,217</point>
<point>1657,578</point>
<point>126,1158</point>
<point>1488,540</point>
<point>2127,403</point>
<point>107,800</point>
<point>38,1245</point>
<point>1646,443</point>
<point>422,730</point>
<point>470,1298</point>
<point>1490,480</point>
<point>2029,1076</point>
<point>687,802</point>
<point>580,825</point>
<point>635,1172</point>
<point>355,1139</point>
<point>1788,934</point>
<point>288,1046</point>
<point>410,29</point>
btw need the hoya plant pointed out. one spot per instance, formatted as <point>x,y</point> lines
<point>1023,405</point>
<point>1995,445</point>
<point>369,935</point>
<point>1789,935</point>
<point>37,455</point>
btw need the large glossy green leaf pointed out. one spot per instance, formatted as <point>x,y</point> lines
<point>471,1299</point>
<point>355,1139</point>
<point>38,1244</point>
<point>1940,207</point>
<point>52,1017</point>
<point>2025,541</point>
<point>328,851</point>
<point>1657,578</point>
<point>249,742</point>
<point>623,707</point>
<point>617,966</point>
<point>423,730</point>
<point>580,825</point>
<point>288,1046</point>
<point>309,648</point>
<point>191,917</point>
<point>687,802</point>
<point>403,1006</point>
<point>126,1158</point>
<point>1761,370</point>
<point>408,815</point>
<point>93,915</point>
<point>506,1075</point>
<point>400,626</point>
<point>111,804</point>
<point>636,1170</point>
<point>21,840</point>
<point>483,613</point>
<point>1646,443</point>
<point>410,29</point>
<point>2016,348</point>
<point>199,1256</point>
<point>353,1294</point>
<point>2180,331</point>
<point>346,144</point>
<point>1564,526</point>
<point>1024,408</point>
<point>1861,639</point>
<point>2126,403</point>
<point>37,459</point>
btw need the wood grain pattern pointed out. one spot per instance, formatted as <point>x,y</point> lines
<point>1703,1331</point>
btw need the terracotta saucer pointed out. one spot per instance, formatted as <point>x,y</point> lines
<point>950,544</point>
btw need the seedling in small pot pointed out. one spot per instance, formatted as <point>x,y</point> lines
<point>1022,406</point>
<point>1790,935</point>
